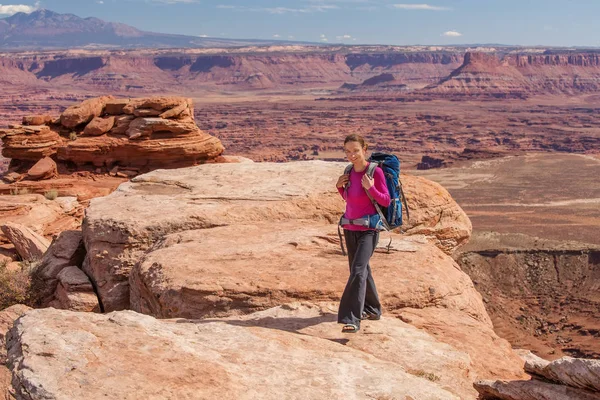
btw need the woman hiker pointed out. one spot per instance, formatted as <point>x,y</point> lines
<point>360,299</point>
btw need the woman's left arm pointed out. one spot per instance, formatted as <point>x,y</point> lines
<point>379,190</point>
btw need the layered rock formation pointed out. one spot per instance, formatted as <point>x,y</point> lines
<point>517,75</point>
<point>152,132</point>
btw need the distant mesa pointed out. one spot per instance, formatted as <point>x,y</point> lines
<point>385,81</point>
<point>520,75</point>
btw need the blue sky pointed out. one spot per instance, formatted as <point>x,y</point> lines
<point>400,22</point>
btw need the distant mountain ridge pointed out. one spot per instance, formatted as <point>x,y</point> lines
<point>45,29</point>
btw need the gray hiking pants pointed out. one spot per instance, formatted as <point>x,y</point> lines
<point>360,293</point>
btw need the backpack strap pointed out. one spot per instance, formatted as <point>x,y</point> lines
<point>403,199</point>
<point>371,174</point>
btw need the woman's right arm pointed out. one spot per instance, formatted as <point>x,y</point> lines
<point>341,184</point>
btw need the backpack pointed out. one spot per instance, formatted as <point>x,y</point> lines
<point>391,216</point>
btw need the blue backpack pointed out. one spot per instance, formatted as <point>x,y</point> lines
<point>389,217</point>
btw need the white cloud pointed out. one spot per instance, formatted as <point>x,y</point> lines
<point>419,7</point>
<point>276,35</point>
<point>173,1</point>
<point>291,37</point>
<point>10,9</point>
<point>100,2</point>
<point>202,35</point>
<point>281,10</point>
<point>342,37</point>
<point>451,34</point>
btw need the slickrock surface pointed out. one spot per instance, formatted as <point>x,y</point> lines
<point>119,228</point>
<point>421,352</point>
<point>157,131</point>
<point>200,273</point>
<point>125,355</point>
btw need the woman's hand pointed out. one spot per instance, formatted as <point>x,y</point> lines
<point>367,182</point>
<point>342,181</point>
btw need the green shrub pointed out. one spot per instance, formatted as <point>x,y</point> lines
<point>51,194</point>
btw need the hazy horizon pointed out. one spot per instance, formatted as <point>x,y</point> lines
<point>552,23</point>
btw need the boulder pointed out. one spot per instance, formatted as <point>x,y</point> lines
<point>530,390</point>
<point>44,169</point>
<point>29,245</point>
<point>115,106</point>
<point>575,372</point>
<point>75,291</point>
<point>141,127</point>
<point>99,126</point>
<point>161,103</point>
<point>121,124</point>
<point>84,112</point>
<point>128,355</point>
<point>37,120</point>
<point>29,142</point>
<point>66,250</point>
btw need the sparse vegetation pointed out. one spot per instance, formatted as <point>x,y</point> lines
<point>16,191</point>
<point>15,285</point>
<point>73,136</point>
<point>427,375</point>
<point>51,194</point>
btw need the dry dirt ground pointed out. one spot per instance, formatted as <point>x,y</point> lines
<point>535,251</point>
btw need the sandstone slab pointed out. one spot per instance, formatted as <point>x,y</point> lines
<point>28,244</point>
<point>43,169</point>
<point>125,355</point>
<point>99,126</point>
<point>575,372</point>
<point>141,127</point>
<point>531,390</point>
<point>75,291</point>
<point>66,250</point>
<point>84,112</point>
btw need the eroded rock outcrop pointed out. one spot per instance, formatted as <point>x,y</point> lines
<point>153,132</point>
<point>120,228</point>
